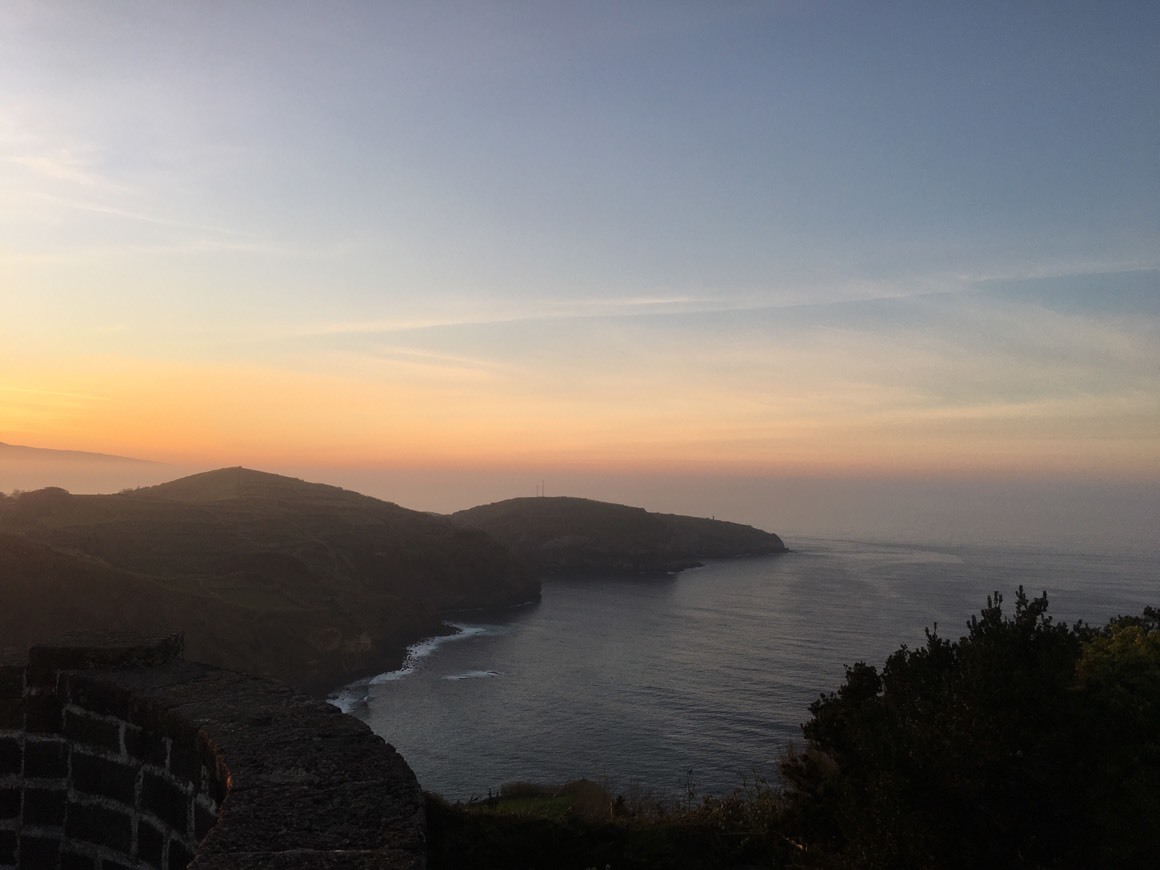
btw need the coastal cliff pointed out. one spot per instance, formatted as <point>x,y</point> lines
<point>569,536</point>
<point>307,583</point>
<point>303,582</point>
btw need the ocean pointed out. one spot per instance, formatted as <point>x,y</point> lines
<point>702,678</point>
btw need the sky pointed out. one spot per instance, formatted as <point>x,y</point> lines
<point>866,263</point>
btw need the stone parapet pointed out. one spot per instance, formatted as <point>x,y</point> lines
<point>115,753</point>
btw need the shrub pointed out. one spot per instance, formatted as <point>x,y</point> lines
<point>989,751</point>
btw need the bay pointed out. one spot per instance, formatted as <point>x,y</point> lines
<point>702,678</point>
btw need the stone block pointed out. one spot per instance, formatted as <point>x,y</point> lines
<point>9,802</point>
<point>150,843</point>
<point>11,756</point>
<point>82,689</point>
<point>40,678</point>
<point>45,759</point>
<point>8,843</point>
<point>94,775</point>
<point>11,714</point>
<point>164,799</point>
<point>37,851</point>
<point>85,730</point>
<point>44,807</point>
<point>43,714</point>
<point>100,825</point>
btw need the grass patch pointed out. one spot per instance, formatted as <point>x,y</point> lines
<point>583,824</point>
<point>579,798</point>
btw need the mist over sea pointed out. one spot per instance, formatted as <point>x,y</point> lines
<point>709,671</point>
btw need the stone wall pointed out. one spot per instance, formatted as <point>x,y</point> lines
<point>115,753</point>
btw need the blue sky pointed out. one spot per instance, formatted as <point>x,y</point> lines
<point>766,238</point>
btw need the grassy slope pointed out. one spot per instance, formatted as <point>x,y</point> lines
<point>305,582</point>
<point>46,593</point>
<point>581,825</point>
<point>573,535</point>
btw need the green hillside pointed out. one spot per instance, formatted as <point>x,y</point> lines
<point>304,582</point>
<point>575,535</point>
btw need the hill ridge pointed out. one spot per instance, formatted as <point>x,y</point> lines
<point>238,481</point>
<point>573,535</point>
<point>308,583</point>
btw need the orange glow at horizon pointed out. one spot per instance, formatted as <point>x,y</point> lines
<point>214,415</point>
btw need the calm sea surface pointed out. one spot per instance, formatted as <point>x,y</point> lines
<point>709,671</point>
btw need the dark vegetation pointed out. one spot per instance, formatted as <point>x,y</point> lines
<point>307,583</point>
<point>561,535</point>
<point>1024,744</point>
<point>582,824</point>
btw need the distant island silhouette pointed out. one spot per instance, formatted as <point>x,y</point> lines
<point>22,453</point>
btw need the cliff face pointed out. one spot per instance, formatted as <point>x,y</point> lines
<point>307,583</point>
<point>575,536</point>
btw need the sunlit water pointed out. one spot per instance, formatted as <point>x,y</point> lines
<point>709,671</point>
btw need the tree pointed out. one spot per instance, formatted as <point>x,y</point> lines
<point>1118,678</point>
<point>987,751</point>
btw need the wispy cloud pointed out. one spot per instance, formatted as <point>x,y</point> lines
<point>497,312</point>
<point>447,367</point>
<point>62,166</point>
<point>56,394</point>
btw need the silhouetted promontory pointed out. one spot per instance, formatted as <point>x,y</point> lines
<point>569,536</point>
<point>304,582</point>
<point>308,583</point>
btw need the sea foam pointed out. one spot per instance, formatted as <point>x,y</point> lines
<point>353,697</point>
<point>473,675</point>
